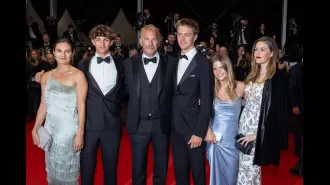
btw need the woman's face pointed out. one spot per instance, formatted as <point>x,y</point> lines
<point>34,54</point>
<point>63,53</point>
<point>262,53</point>
<point>219,71</point>
<point>211,41</point>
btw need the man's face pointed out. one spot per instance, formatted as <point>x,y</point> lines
<point>186,37</point>
<point>102,44</point>
<point>176,16</point>
<point>70,30</point>
<point>118,40</point>
<point>171,38</point>
<point>50,58</point>
<point>45,38</point>
<point>149,42</point>
<point>146,12</point>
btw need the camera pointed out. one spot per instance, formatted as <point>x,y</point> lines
<point>170,15</point>
<point>203,51</point>
<point>291,24</point>
<point>89,51</point>
<point>140,20</point>
<point>236,18</point>
<point>243,61</point>
<point>168,46</point>
<point>214,27</point>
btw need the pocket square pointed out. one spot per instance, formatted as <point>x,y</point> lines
<point>191,75</point>
<point>44,138</point>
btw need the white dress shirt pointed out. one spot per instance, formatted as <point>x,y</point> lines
<point>151,67</point>
<point>105,74</point>
<point>183,63</point>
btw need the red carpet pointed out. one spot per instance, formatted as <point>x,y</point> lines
<point>36,173</point>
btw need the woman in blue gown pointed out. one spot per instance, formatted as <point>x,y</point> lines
<point>221,152</point>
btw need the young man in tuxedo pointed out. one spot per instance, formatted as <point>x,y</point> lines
<point>149,85</point>
<point>193,81</point>
<point>104,74</point>
<point>103,128</point>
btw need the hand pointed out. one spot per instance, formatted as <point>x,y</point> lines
<point>38,76</point>
<point>165,49</point>
<point>281,66</point>
<point>296,110</point>
<point>247,139</point>
<point>288,68</point>
<point>199,102</point>
<point>35,137</point>
<point>238,61</point>
<point>210,137</point>
<point>78,142</point>
<point>195,141</point>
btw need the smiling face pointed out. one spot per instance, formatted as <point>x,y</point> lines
<point>219,71</point>
<point>186,38</point>
<point>149,42</point>
<point>102,45</point>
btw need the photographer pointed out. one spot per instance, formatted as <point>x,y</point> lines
<point>149,19</point>
<point>241,33</point>
<point>51,28</point>
<point>294,41</point>
<point>171,47</point>
<point>243,64</point>
<point>118,49</point>
<point>171,20</point>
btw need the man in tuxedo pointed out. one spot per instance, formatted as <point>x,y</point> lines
<point>193,81</point>
<point>105,88</point>
<point>149,85</point>
<point>103,128</point>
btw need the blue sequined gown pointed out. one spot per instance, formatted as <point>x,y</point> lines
<point>62,163</point>
<point>223,156</point>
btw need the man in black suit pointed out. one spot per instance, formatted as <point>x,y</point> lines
<point>296,99</point>
<point>103,128</point>
<point>71,34</point>
<point>105,78</point>
<point>193,81</point>
<point>149,84</point>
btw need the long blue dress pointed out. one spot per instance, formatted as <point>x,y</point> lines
<point>62,163</point>
<point>223,156</point>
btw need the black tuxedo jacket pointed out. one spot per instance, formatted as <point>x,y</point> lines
<point>165,86</point>
<point>197,82</point>
<point>102,111</point>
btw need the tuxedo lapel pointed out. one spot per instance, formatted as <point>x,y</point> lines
<point>90,77</point>
<point>162,72</point>
<point>189,69</point>
<point>136,67</point>
<point>175,75</point>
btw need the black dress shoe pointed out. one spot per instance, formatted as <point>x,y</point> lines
<point>294,171</point>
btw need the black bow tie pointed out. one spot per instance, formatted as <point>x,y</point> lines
<point>106,59</point>
<point>147,60</point>
<point>183,56</point>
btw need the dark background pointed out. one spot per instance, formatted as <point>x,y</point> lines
<point>105,11</point>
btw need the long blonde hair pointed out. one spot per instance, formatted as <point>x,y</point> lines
<point>271,67</point>
<point>227,66</point>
